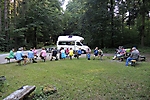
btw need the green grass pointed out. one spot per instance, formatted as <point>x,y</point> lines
<point>80,79</point>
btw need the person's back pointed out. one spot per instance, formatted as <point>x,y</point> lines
<point>70,52</point>
<point>135,54</point>
<point>30,54</point>
<point>19,55</point>
<point>67,51</point>
<point>34,51</point>
<point>43,53</point>
<point>54,53</point>
<point>79,52</point>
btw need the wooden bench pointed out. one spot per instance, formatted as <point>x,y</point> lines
<point>21,93</point>
<point>8,59</point>
<point>133,62</point>
<point>142,58</point>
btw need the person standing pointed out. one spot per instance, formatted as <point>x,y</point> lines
<point>63,54</point>
<point>70,53</point>
<point>79,53</point>
<point>67,52</point>
<point>88,54</point>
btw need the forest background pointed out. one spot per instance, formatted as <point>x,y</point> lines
<point>103,23</point>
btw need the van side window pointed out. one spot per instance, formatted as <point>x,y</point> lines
<point>66,43</point>
<point>72,43</point>
<point>79,44</point>
<point>62,43</point>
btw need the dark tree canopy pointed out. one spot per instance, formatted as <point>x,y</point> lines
<point>103,23</point>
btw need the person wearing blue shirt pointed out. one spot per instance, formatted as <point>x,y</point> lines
<point>19,56</point>
<point>31,55</point>
<point>95,53</point>
<point>88,53</point>
<point>79,52</point>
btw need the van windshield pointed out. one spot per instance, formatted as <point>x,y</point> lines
<point>66,43</point>
<point>79,44</point>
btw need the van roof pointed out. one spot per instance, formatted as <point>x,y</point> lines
<point>70,38</point>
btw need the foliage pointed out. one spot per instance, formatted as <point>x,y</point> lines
<point>104,23</point>
<point>109,23</point>
<point>80,79</point>
<point>34,23</point>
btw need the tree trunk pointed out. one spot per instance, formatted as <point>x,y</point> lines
<point>0,18</point>
<point>14,13</point>
<point>112,23</point>
<point>6,22</point>
<point>143,24</point>
<point>35,39</point>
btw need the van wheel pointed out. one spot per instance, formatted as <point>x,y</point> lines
<point>83,51</point>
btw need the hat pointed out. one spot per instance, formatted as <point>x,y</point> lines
<point>21,48</point>
<point>133,48</point>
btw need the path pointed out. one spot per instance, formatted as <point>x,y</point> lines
<point>3,60</point>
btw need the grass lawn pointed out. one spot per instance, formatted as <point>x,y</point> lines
<point>80,79</point>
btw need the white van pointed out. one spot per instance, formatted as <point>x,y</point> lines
<point>73,42</point>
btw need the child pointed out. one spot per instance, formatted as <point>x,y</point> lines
<point>95,53</point>
<point>88,53</point>
<point>100,54</point>
<point>79,52</point>
<point>54,54</point>
<point>63,54</point>
<point>70,53</point>
<point>67,52</point>
<point>76,55</point>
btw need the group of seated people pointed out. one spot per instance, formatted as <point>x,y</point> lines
<point>121,53</point>
<point>128,54</point>
<point>20,56</point>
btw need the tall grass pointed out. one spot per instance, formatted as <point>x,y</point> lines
<point>80,79</point>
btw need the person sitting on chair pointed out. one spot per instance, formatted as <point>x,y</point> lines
<point>35,53</point>
<point>31,56</point>
<point>120,53</point>
<point>11,55</point>
<point>19,56</point>
<point>134,55</point>
<point>43,54</point>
